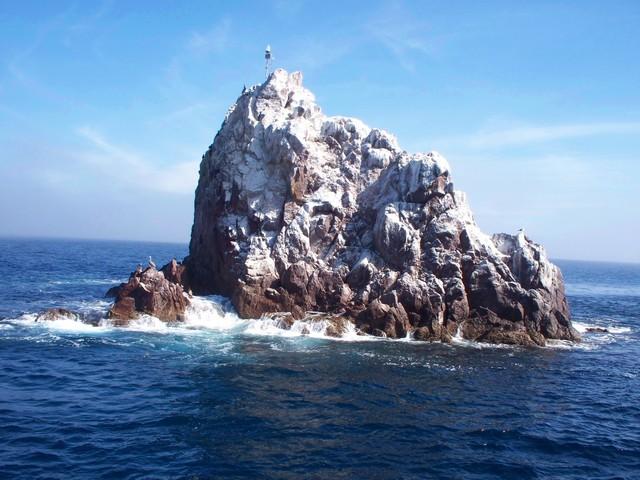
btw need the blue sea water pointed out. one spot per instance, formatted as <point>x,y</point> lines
<point>220,397</point>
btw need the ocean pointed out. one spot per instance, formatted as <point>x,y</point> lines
<point>220,397</point>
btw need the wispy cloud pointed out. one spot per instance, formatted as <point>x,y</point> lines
<point>15,114</point>
<point>214,40</point>
<point>38,88</point>
<point>133,169</point>
<point>312,54</point>
<point>177,85</point>
<point>392,29</point>
<point>488,139</point>
<point>66,27</point>
<point>40,35</point>
<point>88,22</point>
<point>401,34</point>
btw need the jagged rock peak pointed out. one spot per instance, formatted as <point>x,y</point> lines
<point>299,212</point>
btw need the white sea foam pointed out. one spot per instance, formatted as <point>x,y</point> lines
<point>613,329</point>
<point>213,313</point>
<point>216,314</point>
<point>584,345</point>
<point>458,336</point>
<point>591,340</point>
<point>148,323</point>
<point>60,324</point>
<point>583,327</point>
<point>75,326</point>
<point>312,328</point>
<point>460,341</point>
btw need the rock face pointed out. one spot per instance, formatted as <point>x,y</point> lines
<point>297,212</point>
<point>152,292</point>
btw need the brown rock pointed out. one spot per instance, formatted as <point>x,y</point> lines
<point>393,321</point>
<point>148,291</point>
<point>176,272</point>
<point>489,328</point>
<point>424,334</point>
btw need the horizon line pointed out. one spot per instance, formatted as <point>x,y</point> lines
<point>186,243</point>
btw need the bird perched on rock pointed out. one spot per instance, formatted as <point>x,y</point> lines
<point>151,264</point>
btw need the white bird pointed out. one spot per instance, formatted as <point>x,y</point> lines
<point>151,264</point>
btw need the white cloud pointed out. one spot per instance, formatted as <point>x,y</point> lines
<point>543,133</point>
<point>134,170</point>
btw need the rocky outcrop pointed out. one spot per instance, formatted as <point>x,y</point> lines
<point>58,314</point>
<point>597,330</point>
<point>53,314</point>
<point>152,292</point>
<point>297,212</point>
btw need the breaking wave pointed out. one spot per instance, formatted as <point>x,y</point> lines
<point>586,328</point>
<point>215,314</point>
<point>205,314</point>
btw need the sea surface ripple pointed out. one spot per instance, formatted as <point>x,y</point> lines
<point>221,397</point>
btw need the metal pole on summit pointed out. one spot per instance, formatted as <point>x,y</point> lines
<point>267,61</point>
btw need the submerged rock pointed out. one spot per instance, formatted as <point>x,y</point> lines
<point>152,292</point>
<point>597,330</point>
<point>56,314</point>
<point>297,212</point>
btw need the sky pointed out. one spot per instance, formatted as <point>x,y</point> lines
<point>107,107</point>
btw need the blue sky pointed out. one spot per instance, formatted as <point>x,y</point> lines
<point>107,107</point>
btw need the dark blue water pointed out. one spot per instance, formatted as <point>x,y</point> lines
<point>221,398</point>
